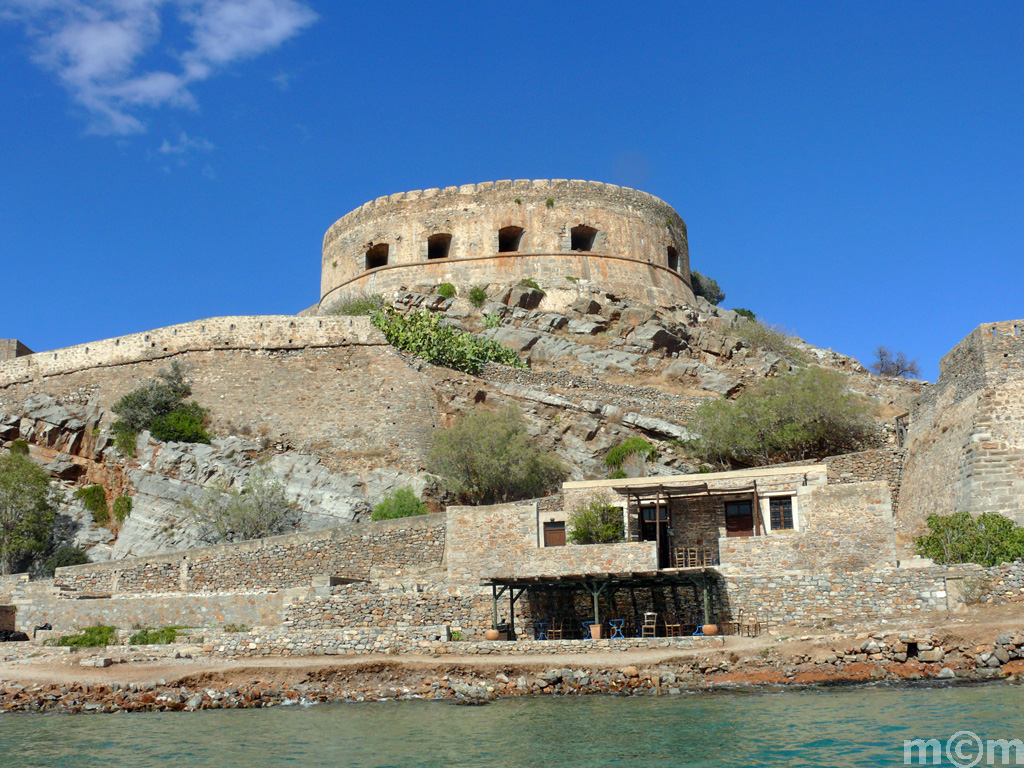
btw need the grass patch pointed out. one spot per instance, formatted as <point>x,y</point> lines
<point>235,628</point>
<point>98,636</point>
<point>150,636</point>
<point>365,305</point>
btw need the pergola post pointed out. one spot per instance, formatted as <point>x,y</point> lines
<point>707,598</point>
<point>494,605</point>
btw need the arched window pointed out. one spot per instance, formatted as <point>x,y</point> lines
<point>509,239</point>
<point>438,246</point>
<point>583,238</point>
<point>377,256</point>
<point>673,259</point>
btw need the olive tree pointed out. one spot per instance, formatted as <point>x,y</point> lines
<point>487,457</point>
<point>27,506</point>
<point>258,510</point>
<point>806,414</point>
<point>596,521</point>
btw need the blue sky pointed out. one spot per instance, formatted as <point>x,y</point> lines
<point>850,171</point>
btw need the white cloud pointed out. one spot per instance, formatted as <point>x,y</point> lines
<point>95,47</point>
<point>184,145</point>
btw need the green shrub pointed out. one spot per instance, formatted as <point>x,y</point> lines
<point>988,539</point>
<point>550,202</point>
<point>529,282</point>
<point>477,296</point>
<point>150,636</point>
<point>630,447</point>
<point>258,510</point>
<point>182,425</point>
<point>456,635</point>
<point>446,290</point>
<point>572,279</point>
<point>769,338</point>
<point>28,502</point>
<point>487,457</point>
<point>421,333</point>
<point>160,406</point>
<point>745,313</point>
<point>63,557</point>
<point>235,628</point>
<point>122,508</point>
<point>803,415</point>
<point>401,502</point>
<point>595,521</point>
<point>366,305</point>
<point>94,499</point>
<point>492,321</point>
<point>98,636</point>
<point>706,287</point>
<point>20,447</point>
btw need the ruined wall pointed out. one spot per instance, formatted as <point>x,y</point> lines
<point>501,541</point>
<point>293,560</point>
<point>846,527</point>
<point>965,442</point>
<point>631,249</point>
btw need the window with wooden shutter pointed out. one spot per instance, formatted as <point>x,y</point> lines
<point>780,510</point>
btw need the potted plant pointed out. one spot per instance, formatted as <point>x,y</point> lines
<point>595,631</point>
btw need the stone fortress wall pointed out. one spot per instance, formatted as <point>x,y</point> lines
<point>965,442</point>
<point>12,348</point>
<point>506,231</point>
<point>255,332</point>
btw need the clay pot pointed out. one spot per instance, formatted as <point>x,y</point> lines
<point>491,634</point>
<point>595,631</point>
<point>710,629</point>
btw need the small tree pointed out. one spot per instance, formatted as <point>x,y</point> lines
<point>160,406</point>
<point>807,414</point>
<point>260,509</point>
<point>401,502</point>
<point>895,364</point>
<point>631,450</point>
<point>596,521</point>
<point>707,288</point>
<point>488,458</point>
<point>27,506</point>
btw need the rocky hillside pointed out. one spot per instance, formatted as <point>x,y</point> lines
<point>341,426</point>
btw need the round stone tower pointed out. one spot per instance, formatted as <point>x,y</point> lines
<point>628,242</point>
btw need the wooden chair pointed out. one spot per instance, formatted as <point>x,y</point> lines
<point>557,631</point>
<point>709,556</point>
<point>673,627</point>
<point>650,626</point>
<point>750,625</point>
<point>732,626</point>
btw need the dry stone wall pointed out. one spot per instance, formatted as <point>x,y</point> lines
<point>639,243</point>
<point>357,551</point>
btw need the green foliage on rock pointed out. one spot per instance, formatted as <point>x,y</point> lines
<point>446,291</point>
<point>27,505</point>
<point>63,557</point>
<point>630,447</point>
<point>529,282</point>
<point>401,502</point>
<point>769,338</point>
<point>988,539</point>
<point>122,508</point>
<point>259,510</point>
<point>477,296</point>
<point>150,636</point>
<point>422,334</point>
<point>745,313</point>
<point>807,414</point>
<point>160,406</point>
<point>362,306</point>
<point>94,499</point>
<point>596,521</point>
<point>98,636</point>
<point>487,457</point>
<point>19,446</point>
<point>707,288</point>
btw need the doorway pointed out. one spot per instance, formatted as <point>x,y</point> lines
<point>654,527</point>
<point>739,518</point>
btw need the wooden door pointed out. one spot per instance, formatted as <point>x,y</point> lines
<point>739,518</point>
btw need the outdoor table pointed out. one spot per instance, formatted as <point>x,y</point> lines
<point>616,625</point>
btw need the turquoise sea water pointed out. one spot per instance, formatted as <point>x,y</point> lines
<point>847,727</point>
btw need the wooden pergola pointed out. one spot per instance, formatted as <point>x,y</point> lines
<point>595,584</point>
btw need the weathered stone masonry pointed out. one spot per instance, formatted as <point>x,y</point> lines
<point>503,231</point>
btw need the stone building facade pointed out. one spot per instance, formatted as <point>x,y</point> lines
<point>965,441</point>
<point>504,231</point>
<point>12,348</point>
